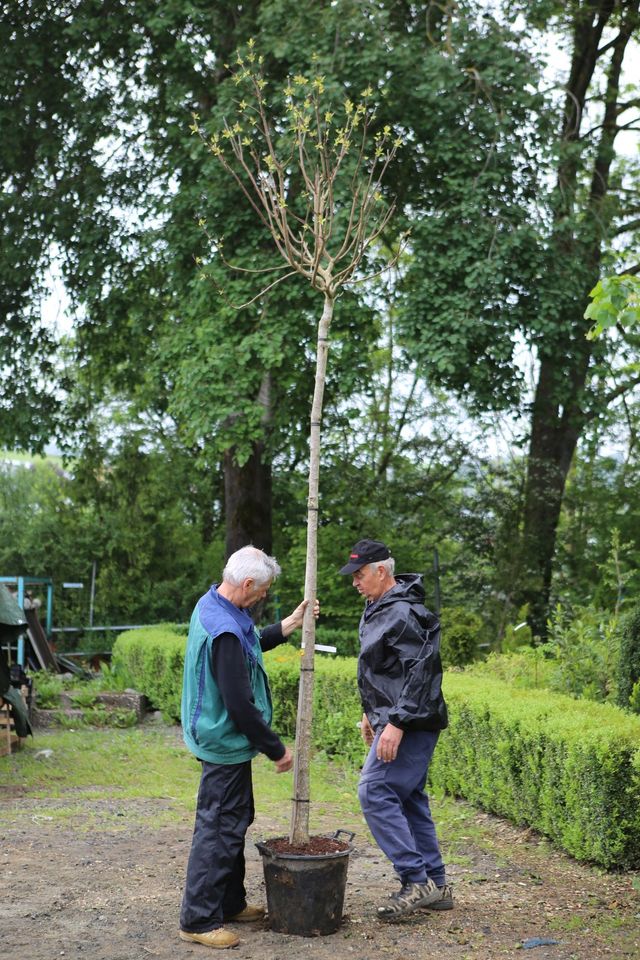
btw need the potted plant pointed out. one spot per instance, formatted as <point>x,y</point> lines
<point>313,176</point>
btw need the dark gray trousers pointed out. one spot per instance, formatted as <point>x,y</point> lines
<point>214,886</point>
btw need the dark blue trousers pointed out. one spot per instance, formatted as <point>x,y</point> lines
<point>214,887</point>
<point>397,811</point>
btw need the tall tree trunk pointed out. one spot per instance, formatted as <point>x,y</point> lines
<point>553,442</point>
<point>247,497</point>
<point>248,489</point>
<point>561,409</point>
<point>300,809</point>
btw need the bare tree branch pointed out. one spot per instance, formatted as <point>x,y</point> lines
<point>627,227</point>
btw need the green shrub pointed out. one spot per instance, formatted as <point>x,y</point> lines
<point>82,698</point>
<point>568,768</point>
<point>153,659</point>
<point>461,634</point>
<point>526,668</point>
<point>584,644</point>
<point>47,688</point>
<point>111,678</point>
<point>346,642</point>
<point>628,675</point>
<point>101,717</point>
<point>283,668</point>
<point>336,702</point>
<point>519,634</point>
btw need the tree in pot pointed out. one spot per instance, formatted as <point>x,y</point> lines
<point>312,176</point>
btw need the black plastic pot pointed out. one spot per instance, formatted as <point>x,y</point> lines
<point>305,892</point>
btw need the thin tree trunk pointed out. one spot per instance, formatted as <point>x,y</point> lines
<point>300,810</point>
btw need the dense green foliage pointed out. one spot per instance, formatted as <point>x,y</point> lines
<point>515,195</point>
<point>166,399</point>
<point>153,660</point>
<point>55,694</point>
<point>156,552</point>
<point>139,522</point>
<point>528,668</point>
<point>585,657</point>
<point>585,649</point>
<point>461,633</point>
<point>518,197</point>
<point>145,519</point>
<point>628,672</point>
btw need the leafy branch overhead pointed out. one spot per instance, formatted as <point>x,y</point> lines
<point>311,172</point>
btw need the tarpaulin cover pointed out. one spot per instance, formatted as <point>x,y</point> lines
<point>11,613</point>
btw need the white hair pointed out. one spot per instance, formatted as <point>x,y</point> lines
<point>249,562</point>
<point>389,565</point>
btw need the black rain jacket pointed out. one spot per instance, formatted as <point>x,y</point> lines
<point>399,667</point>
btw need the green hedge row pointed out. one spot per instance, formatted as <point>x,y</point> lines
<point>568,768</point>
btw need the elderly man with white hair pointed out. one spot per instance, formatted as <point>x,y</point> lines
<point>226,717</point>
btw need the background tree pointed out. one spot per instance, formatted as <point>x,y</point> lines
<point>102,181</point>
<point>127,238</point>
<point>537,244</point>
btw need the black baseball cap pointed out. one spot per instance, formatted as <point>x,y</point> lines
<point>366,551</point>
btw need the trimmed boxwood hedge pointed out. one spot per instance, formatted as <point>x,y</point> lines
<point>568,768</point>
<point>152,659</point>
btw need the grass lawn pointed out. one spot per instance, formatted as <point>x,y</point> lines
<point>56,771</point>
<point>149,762</point>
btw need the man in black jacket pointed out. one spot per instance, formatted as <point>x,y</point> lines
<point>399,678</point>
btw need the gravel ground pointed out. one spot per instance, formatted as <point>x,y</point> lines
<point>112,892</point>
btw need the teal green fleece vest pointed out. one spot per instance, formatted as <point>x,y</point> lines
<point>206,726</point>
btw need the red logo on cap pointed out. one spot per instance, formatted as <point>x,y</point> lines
<point>354,556</point>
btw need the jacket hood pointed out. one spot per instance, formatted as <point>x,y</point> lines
<point>408,587</point>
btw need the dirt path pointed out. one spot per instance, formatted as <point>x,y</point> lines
<point>114,894</point>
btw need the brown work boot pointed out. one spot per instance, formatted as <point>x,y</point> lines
<point>249,915</point>
<point>219,939</point>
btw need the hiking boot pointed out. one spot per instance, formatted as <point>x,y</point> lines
<point>410,897</point>
<point>219,939</point>
<point>249,915</point>
<point>444,901</point>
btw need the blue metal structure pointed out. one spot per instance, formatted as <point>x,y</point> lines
<point>21,583</point>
